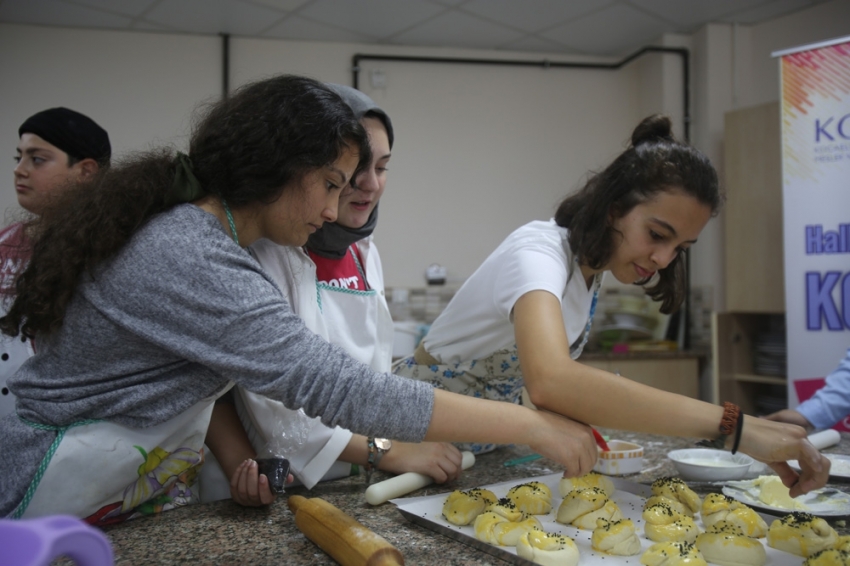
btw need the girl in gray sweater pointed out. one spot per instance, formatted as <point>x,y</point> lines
<point>147,308</point>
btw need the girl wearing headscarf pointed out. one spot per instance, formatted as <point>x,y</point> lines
<point>147,308</point>
<point>335,284</point>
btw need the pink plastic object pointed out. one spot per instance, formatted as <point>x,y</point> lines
<point>37,542</point>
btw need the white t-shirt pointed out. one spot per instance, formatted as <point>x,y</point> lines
<point>479,319</point>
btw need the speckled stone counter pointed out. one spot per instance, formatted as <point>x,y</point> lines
<point>225,533</point>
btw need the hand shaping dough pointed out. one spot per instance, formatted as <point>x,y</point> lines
<point>582,507</point>
<point>591,479</point>
<point>461,507</point>
<point>829,557</point>
<point>673,554</point>
<point>615,537</point>
<point>534,498</point>
<point>726,544</point>
<point>674,488</point>
<point>548,549</point>
<point>663,524</point>
<point>801,534</point>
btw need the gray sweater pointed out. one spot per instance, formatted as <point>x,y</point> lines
<point>180,312</point>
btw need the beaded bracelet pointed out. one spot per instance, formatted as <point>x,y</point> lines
<point>730,423</point>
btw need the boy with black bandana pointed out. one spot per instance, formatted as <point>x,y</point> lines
<point>57,147</point>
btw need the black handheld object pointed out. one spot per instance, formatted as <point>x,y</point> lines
<point>277,470</point>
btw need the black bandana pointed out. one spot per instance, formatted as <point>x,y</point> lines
<point>74,133</point>
<point>332,240</point>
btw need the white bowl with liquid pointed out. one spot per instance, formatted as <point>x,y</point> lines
<point>706,464</point>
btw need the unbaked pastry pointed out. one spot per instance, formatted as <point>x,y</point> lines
<point>674,488</point>
<point>462,507</point>
<point>548,549</point>
<point>843,543</point>
<point>506,508</point>
<point>590,479</point>
<point>664,524</point>
<point>829,557</point>
<point>534,498</point>
<point>507,534</point>
<point>801,534</point>
<point>493,528</point>
<point>615,537</point>
<point>674,504</point>
<point>484,524</point>
<point>673,554</point>
<point>717,507</point>
<point>582,507</point>
<point>726,544</point>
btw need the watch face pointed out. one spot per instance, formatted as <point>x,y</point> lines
<point>383,443</point>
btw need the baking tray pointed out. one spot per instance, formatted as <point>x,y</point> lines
<point>427,511</point>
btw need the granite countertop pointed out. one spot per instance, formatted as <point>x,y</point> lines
<point>225,533</point>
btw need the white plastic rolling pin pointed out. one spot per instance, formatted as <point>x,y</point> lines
<point>825,438</point>
<point>403,484</point>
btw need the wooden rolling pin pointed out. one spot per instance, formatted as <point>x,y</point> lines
<point>344,539</point>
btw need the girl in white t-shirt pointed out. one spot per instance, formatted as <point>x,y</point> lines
<point>523,317</point>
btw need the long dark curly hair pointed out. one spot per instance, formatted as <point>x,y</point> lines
<point>654,162</point>
<point>245,149</point>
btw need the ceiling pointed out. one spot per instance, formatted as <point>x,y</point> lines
<point>591,27</point>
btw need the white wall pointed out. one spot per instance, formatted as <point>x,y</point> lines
<point>141,87</point>
<point>479,150</point>
<point>758,71</point>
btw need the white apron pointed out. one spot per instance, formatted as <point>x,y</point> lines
<point>357,321</point>
<point>108,473</point>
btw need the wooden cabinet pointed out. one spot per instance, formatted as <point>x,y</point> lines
<point>734,338</point>
<point>755,276</point>
<point>678,375</point>
<point>754,262</point>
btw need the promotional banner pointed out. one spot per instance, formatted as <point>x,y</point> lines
<point>816,193</point>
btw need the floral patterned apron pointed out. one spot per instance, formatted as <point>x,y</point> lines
<point>497,377</point>
<point>108,473</point>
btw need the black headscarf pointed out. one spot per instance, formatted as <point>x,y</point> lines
<point>74,133</point>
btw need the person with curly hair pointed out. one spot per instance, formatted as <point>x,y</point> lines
<point>335,283</point>
<point>57,147</point>
<point>147,308</point>
<point>523,317</point>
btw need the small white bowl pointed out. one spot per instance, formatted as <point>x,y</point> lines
<point>706,464</point>
<point>622,458</point>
